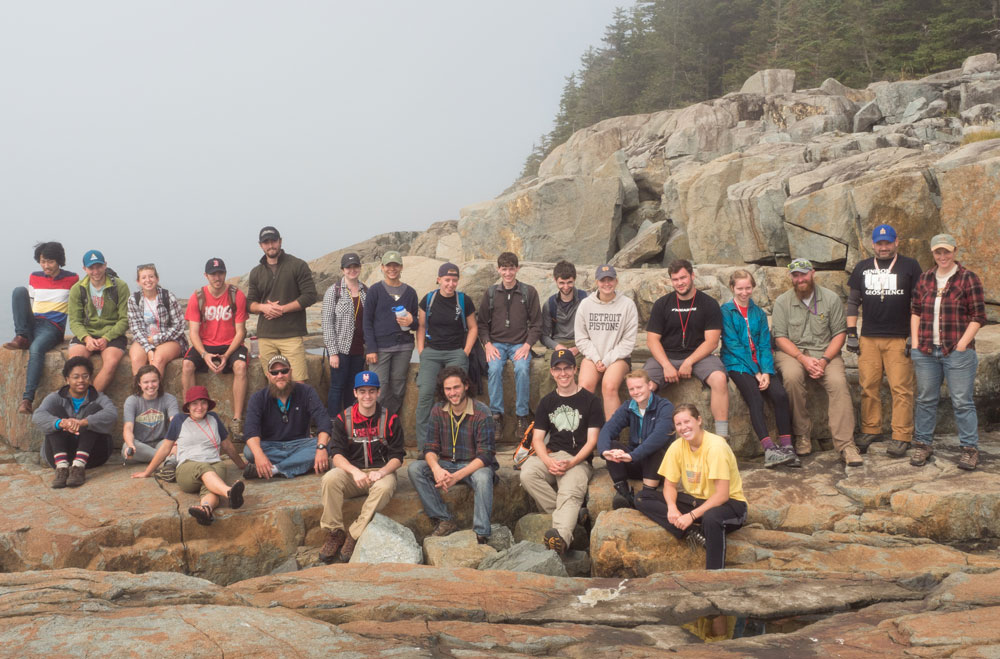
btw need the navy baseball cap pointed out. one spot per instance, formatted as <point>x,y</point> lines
<point>562,356</point>
<point>605,271</point>
<point>366,379</point>
<point>883,232</point>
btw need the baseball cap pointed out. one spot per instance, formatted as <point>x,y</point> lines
<point>268,233</point>
<point>448,270</point>
<point>945,240</point>
<point>349,259</point>
<point>278,359</point>
<point>562,356</point>
<point>605,271</point>
<point>93,257</point>
<point>392,256</point>
<point>883,232</point>
<point>215,265</point>
<point>801,265</point>
<point>366,379</point>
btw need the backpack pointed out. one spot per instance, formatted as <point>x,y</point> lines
<point>112,295</point>
<point>230,295</point>
<point>524,448</point>
<point>459,311</point>
<point>551,305</point>
<point>164,300</point>
<point>383,425</point>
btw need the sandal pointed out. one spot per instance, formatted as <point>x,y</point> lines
<point>202,514</point>
<point>235,495</point>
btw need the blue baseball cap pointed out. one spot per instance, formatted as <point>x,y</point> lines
<point>93,257</point>
<point>883,232</point>
<point>366,379</point>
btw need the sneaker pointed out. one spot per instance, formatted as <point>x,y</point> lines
<point>970,458</point>
<point>236,430</point>
<point>77,476</point>
<point>624,497</point>
<point>334,541</point>
<point>865,440</point>
<point>18,343</point>
<point>444,527</point>
<point>167,472</point>
<point>803,445</point>
<point>62,473</point>
<point>897,449</point>
<point>774,457</point>
<point>851,457</point>
<point>24,407</point>
<point>921,454</point>
<point>482,539</point>
<point>793,460</point>
<point>522,425</point>
<point>696,539</point>
<point>348,549</point>
<point>249,471</point>
<point>555,542</point>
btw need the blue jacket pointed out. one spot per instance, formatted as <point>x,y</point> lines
<point>735,350</point>
<point>646,435</point>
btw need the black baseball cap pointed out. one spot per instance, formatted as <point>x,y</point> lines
<point>268,233</point>
<point>349,259</point>
<point>562,356</point>
<point>215,265</point>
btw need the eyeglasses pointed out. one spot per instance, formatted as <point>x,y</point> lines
<point>279,371</point>
<point>145,266</point>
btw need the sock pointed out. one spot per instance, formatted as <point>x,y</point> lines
<point>767,443</point>
<point>785,440</point>
<point>61,461</point>
<point>81,459</point>
<point>722,428</point>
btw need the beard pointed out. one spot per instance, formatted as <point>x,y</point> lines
<point>804,292</point>
<point>275,392</point>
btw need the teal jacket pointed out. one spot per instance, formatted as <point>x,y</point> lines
<point>735,350</point>
<point>84,320</point>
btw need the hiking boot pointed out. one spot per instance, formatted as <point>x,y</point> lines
<point>236,430</point>
<point>18,343</point>
<point>334,541</point>
<point>62,473</point>
<point>624,497</point>
<point>482,539</point>
<point>851,456</point>
<point>583,518</point>
<point>897,449</point>
<point>775,456</point>
<point>555,542</point>
<point>77,475</point>
<point>249,471</point>
<point>24,407</point>
<point>970,458</point>
<point>865,440</point>
<point>498,420</point>
<point>921,454</point>
<point>444,527</point>
<point>522,425</point>
<point>167,472</point>
<point>793,460</point>
<point>696,538</point>
<point>348,549</point>
<point>803,445</point>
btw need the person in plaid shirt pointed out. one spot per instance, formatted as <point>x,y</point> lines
<point>156,323</point>
<point>947,310</point>
<point>460,448</point>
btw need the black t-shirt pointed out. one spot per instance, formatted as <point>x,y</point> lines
<point>681,324</point>
<point>885,296</point>
<point>444,322</point>
<point>568,418</point>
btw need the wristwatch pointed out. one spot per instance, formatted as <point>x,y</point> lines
<point>823,357</point>
<point>320,447</point>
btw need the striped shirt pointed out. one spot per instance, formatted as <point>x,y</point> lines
<point>50,295</point>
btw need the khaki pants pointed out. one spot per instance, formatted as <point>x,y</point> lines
<point>293,348</point>
<point>834,380</point>
<point>888,354</point>
<point>337,485</point>
<point>559,496</point>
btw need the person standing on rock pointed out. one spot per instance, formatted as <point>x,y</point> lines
<point>367,449</point>
<point>98,317</point>
<point>702,489</point>
<point>279,291</point>
<point>77,422</point>
<point>446,335</point>
<point>682,333</point>
<point>650,424</point>
<point>217,323</point>
<point>40,312</point>
<point>509,324</point>
<point>344,332</point>
<point>559,312</point>
<point>460,448</point>
<point>606,326</point>
<point>558,474</point>
<point>882,286</point>
<point>809,330</point>
<point>947,310</point>
<point>277,428</point>
<point>389,317</point>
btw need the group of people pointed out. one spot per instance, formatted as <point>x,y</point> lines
<point>919,329</point>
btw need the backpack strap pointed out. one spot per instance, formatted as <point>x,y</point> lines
<point>428,302</point>
<point>460,307</point>
<point>232,301</point>
<point>200,296</point>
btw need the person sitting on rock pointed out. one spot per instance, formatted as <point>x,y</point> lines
<point>559,312</point>
<point>460,448</point>
<point>39,313</point>
<point>146,417</point>
<point>200,435</point>
<point>711,490</point>
<point>77,422</point>
<point>367,449</point>
<point>650,424</point>
<point>98,317</point>
<point>683,330</point>
<point>277,427</point>
<point>606,326</point>
<point>558,474</point>
<point>156,322</point>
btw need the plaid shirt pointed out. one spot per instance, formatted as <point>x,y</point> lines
<point>962,302</point>
<point>339,319</point>
<point>167,331</point>
<point>473,437</point>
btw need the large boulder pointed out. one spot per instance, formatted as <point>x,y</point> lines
<point>893,97</point>
<point>456,550</point>
<point>982,63</point>
<point>626,543</point>
<point>526,557</point>
<point>979,91</point>
<point>647,244</point>
<point>385,540</point>
<point>770,81</point>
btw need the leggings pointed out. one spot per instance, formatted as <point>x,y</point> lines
<point>647,469</point>
<point>97,444</point>
<point>714,524</point>
<point>754,397</point>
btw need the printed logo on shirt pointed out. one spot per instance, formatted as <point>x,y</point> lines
<point>221,312</point>
<point>693,477</point>
<point>565,418</point>
<point>880,282</point>
<point>150,418</point>
<point>684,309</point>
<point>604,322</point>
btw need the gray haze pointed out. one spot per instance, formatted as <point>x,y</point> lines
<point>170,132</point>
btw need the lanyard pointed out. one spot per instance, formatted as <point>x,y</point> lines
<point>885,272</point>
<point>455,428</point>
<point>684,320</point>
<point>208,433</point>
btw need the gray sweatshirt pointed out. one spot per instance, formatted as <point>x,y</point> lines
<point>605,331</point>
<point>97,408</point>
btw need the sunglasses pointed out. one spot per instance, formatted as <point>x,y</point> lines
<point>279,371</point>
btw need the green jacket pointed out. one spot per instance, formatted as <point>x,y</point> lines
<point>83,318</point>
<point>291,281</point>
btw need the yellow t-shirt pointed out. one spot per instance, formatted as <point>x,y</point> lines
<point>695,470</point>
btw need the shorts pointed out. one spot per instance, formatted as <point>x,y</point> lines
<point>239,355</point>
<point>119,343</point>
<point>189,475</point>
<point>702,368</point>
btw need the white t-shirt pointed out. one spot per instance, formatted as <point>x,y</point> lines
<point>942,281</point>
<point>198,441</point>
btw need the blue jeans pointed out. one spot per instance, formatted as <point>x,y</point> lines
<point>290,459</point>
<point>341,393</point>
<point>481,482</point>
<point>522,378</point>
<point>958,369</point>
<point>43,334</point>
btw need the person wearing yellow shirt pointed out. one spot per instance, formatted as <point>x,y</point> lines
<point>702,487</point>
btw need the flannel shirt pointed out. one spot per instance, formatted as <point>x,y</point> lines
<point>475,437</point>
<point>962,302</point>
<point>168,332</point>
<point>338,319</point>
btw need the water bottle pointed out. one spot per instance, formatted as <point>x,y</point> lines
<point>254,347</point>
